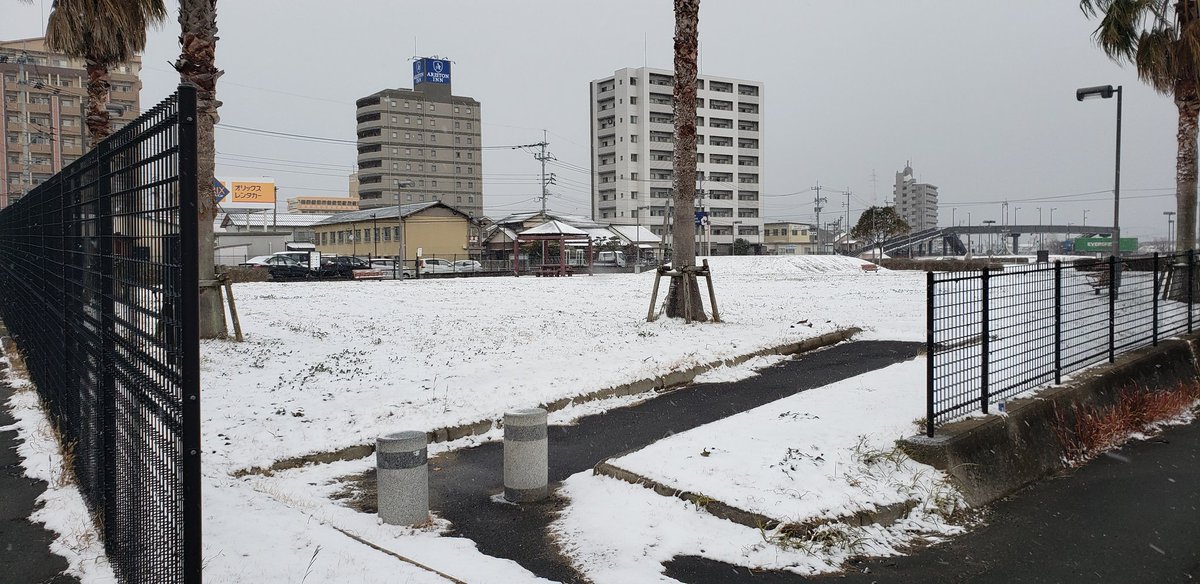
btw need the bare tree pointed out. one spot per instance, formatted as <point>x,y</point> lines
<point>683,236</point>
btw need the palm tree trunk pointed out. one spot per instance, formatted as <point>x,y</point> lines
<point>99,121</point>
<point>1188,102</point>
<point>683,237</point>
<point>197,65</point>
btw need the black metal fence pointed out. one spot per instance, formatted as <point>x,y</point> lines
<point>98,286</point>
<point>994,334</point>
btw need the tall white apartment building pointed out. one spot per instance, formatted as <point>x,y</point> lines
<point>633,135</point>
<point>916,202</point>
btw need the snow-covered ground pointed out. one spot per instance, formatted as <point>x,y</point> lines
<point>335,364</point>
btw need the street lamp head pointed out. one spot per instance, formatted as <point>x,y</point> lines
<point>1101,91</point>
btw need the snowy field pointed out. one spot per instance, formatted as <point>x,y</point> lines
<point>335,364</point>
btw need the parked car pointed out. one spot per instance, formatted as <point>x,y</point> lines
<point>461,266</point>
<point>301,257</point>
<point>388,268</point>
<point>282,268</point>
<point>436,266</point>
<point>341,266</point>
<point>256,262</point>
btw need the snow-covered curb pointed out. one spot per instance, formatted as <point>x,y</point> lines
<point>60,508</point>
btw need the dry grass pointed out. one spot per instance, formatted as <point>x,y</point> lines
<point>1086,431</point>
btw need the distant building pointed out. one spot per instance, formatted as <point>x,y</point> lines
<point>322,205</point>
<point>916,202</point>
<point>424,135</point>
<point>53,88</point>
<point>633,145</point>
<point>433,228</point>
<point>788,238</point>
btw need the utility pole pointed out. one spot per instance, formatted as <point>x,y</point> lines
<point>26,160</point>
<point>542,156</point>
<point>817,207</point>
<point>847,217</point>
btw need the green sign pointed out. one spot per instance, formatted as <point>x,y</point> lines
<point>1104,244</point>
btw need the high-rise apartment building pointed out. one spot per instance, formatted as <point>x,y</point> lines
<point>633,135</point>
<point>424,135</point>
<point>42,115</point>
<point>916,202</point>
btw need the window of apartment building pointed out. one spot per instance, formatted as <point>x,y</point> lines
<point>393,119</point>
<point>432,168</point>
<point>387,233</point>
<point>407,151</point>
<point>470,170</point>
<point>468,139</point>
<point>633,194</point>
<point>633,119</point>
<point>470,184</point>
<point>457,140</point>
<point>468,110</point>
<point>458,199</point>
<point>604,215</point>
<point>468,125</point>
<point>470,199</point>
<point>633,138</point>
<point>395,166</point>
<point>633,158</point>
<point>433,153</point>
<point>421,183</point>
<point>633,80</point>
<point>409,197</point>
<point>699,139</point>
<point>418,106</point>
<point>457,170</point>
<point>433,137</point>
<point>458,185</point>
<point>407,120</point>
<point>420,121</point>
<point>633,176</point>
<point>456,125</point>
<point>407,166</point>
<point>431,107</point>
<point>455,109</point>
<point>393,104</point>
<point>434,183</point>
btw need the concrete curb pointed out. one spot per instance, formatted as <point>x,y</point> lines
<point>991,457</point>
<point>661,383</point>
<point>886,515</point>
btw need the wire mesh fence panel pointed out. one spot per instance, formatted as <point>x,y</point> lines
<point>99,282</point>
<point>996,334</point>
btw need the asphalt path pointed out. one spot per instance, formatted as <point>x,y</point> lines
<point>24,547</point>
<point>464,483</point>
<point>1131,516</point>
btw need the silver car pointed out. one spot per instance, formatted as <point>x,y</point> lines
<point>388,267</point>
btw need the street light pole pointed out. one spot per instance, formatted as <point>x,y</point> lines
<point>1106,92</point>
<point>1170,225</point>
<point>400,224</point>
<point>374,235</point>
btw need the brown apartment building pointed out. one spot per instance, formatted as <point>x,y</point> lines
<point>43,111</point>
<point>420,145</point>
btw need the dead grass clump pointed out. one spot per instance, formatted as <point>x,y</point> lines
<point>1085,431</point>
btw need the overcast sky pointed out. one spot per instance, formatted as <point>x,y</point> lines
<point>978,95</point>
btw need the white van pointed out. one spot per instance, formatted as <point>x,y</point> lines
<point>611,258</point>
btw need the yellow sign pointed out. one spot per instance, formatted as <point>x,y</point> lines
<point>251,192</point>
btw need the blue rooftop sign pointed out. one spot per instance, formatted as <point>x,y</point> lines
<point>431,71</point>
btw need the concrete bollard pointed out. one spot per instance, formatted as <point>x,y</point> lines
<point>526,458</point>
<point>403,478</point>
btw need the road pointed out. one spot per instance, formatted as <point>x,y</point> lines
<point>1128,517</point>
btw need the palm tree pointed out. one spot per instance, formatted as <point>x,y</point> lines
<point>1161,38</point>
<point>103,34</point>
<point>197,65</point>
<point>683,236</point>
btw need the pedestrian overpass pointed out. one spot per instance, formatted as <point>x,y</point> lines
<point>949,240</point>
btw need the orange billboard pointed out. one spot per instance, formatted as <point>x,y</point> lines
<point>251,192</point>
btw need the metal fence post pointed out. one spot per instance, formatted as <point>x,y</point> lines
<point>983,356</point>
<point>107,391</point>
<point>1112,309</point>
<point>189,315</point>
<point>1191,278</point>
<point>1154,304</point>
<point>1057,322</point>
<point>929,353</point>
